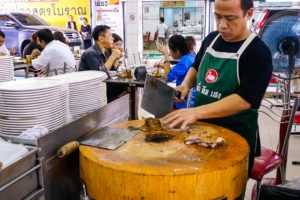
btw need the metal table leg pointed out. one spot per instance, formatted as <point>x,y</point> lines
<point>132,114</point>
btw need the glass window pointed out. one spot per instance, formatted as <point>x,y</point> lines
<point>3,20</point>
<point>29,20</point>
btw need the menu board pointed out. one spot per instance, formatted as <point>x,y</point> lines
<point>110,13</point>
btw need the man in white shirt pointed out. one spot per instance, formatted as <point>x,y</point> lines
<point>56,57</point>
<point>3,50</point>
<point>162,29</point>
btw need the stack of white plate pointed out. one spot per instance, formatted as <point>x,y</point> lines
<point>6,68</point>
<point>87,91</point>
<point>30,102</point>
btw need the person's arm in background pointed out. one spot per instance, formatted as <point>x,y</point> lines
<point>167,67</point>
<point>115,54</point>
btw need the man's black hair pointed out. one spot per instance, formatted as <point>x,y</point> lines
<point>99,30</point>
<point>46,35</point>
<point>162,19</point>
<point>2,34</point>
<point>116,38</point>
<point>246,5</point>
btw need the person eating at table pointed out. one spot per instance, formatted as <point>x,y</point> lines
<point>99,56</point>
<point>56,57</point>
<point>231,73</point>
<point>3,50</point>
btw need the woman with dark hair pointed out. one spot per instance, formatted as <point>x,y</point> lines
<point>31,46</point>
<point>85,32</point>
<point>117,44</point>
<point>115,91</point>
<point>60,37</point>
<point>191,44</point>
<point>178,51</point>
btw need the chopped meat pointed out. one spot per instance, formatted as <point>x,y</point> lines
<point>155,124</point>
<point>204,139</point>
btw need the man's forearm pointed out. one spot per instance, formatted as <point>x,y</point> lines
<point>227,106</point>
<point>190,78</point>
<point>109,63</point>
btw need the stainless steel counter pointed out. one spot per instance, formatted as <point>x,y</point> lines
<point>59,177</point>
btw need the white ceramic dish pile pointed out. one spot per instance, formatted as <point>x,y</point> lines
<point>87,91</point>
<point>6,68</point>
<point>36,101</point>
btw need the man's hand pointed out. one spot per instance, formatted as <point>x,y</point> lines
<point>184,92</point>
<point>115,54</point>
<point>182,118</point>
<point>2,54</point>
<point>35,53</point>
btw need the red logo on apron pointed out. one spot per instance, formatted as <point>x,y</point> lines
<point>211,76</point>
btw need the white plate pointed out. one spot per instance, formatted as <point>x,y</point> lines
<point>33,100</point>
<point>34,93</point>
<point>30,112</point>
<point>32,105</point>
<point>14,123</point>
<point>81,76</point>
<point>31,84</point>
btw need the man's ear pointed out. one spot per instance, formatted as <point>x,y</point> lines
<point>250,13</point>
<point>100,38</point>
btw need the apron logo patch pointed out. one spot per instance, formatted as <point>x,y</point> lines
<point>211,76</point>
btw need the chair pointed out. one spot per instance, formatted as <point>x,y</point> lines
<point>149,40</point>
<point>269,159</point>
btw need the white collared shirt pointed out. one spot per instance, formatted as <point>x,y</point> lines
<point>4,50</point>
<point>55,54</point>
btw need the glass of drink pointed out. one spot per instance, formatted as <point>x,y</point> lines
<point>28,59</point>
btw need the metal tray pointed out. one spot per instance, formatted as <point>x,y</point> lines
<point>20,178</point>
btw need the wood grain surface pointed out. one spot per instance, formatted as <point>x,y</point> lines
<point>167,170</point>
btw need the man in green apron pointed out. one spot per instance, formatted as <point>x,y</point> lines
<point>231,72</point>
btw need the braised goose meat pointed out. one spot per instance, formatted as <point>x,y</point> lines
<point>204,139</point>
<point>155,124</point>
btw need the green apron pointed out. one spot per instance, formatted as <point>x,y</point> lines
<point>218,77</point>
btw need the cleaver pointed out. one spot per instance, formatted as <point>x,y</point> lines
<point>108,137</point>
<point>158,97</point>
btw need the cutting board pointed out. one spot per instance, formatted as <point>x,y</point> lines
<point>167,170</point>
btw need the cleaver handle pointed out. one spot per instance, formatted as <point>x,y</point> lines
<point>177,94</point>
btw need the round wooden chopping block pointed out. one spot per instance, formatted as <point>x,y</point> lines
<point>141,170</point>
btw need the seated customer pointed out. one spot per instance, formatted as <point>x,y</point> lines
<point>3,50</point>
<point>31,46</point>
<point>98,56</point>
<point>115,91</point>
<point>56,57</point>
<point>58,35</point>
<point>117,44</point>
<point>179,50</point>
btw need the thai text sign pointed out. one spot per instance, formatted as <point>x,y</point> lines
<point>52,11</point>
